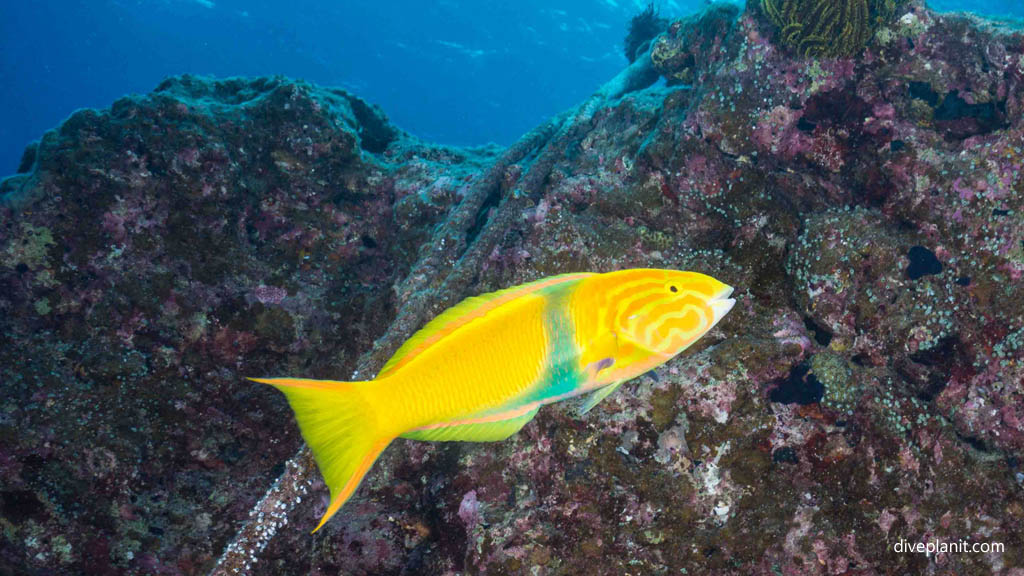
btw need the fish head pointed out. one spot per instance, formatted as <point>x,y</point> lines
<point>665,311</point>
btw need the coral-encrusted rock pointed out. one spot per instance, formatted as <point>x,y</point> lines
<point>867,387</point>
<point>691,48</point>
<point>160,251</point>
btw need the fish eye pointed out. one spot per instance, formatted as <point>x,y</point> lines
<point>673,288</point>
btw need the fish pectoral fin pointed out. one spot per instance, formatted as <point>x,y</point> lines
<point>483,429</point>
<point>602,351</point>
<point>595,397</point>
<point>594,368</point>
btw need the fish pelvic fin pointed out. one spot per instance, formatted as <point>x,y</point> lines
<point>338,420</point>
<point>596,396</point>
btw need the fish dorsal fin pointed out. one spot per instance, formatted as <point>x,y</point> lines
<point>463,313</point>
<point>598,395</point>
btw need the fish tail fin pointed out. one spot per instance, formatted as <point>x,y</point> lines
<point>338,420</point>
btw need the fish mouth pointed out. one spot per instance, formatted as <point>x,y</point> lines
<point>721,304</point>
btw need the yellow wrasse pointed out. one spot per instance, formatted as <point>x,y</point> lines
<point>481,370</point>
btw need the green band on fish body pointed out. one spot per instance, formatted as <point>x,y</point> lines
<point>561,368</point>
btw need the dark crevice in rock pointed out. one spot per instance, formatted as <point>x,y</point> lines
<point>822,335</point>
<point>375,132</point>
<point>483,215</point>
<point>955,117</point>
<point>960,120</point>
<point>801,387</point>
<point>923,91</point>
<point>974,442</point>
<point>806,125</point>
<point>839,107</point>
<point>28,158</point>
<point>923,262</point>
<point>416,561</point>
<point>862,360</point>
<point>19,505</point>
<point>929,371</point>
<point>785,455</point>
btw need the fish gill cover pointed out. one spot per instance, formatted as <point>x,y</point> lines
<point>865,390</point>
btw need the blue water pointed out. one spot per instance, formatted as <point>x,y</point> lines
<point>452,71</point>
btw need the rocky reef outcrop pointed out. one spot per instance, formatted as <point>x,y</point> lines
<point>867,389</point>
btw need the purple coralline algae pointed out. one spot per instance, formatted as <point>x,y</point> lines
<point>866,390</point>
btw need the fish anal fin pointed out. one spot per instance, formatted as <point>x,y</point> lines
<point>340,496</point>
<point>474,430</point>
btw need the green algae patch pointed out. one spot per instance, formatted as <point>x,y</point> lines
<point>43,307</point>
<point>842,390</point>
<point>30,248</point>
<point>276,325</point>
<point>664,408</point>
